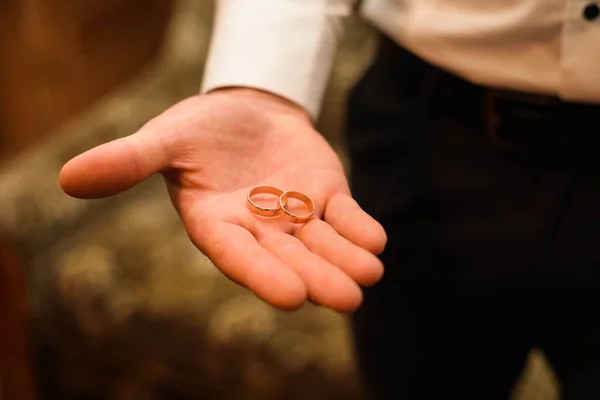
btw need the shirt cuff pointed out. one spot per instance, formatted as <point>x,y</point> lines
<point>285,47</point>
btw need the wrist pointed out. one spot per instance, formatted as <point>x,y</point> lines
<point>278,103</point>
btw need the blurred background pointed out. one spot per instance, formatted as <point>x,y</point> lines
<point>108,299</point>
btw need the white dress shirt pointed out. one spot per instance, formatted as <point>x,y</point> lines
<point>287,47</point>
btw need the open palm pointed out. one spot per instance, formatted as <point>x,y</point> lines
<point>212,150</point>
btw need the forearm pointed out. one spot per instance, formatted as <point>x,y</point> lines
<point>285,47</point>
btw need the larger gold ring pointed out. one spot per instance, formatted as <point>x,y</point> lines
<point>296,219</point>
<point>260,210</point>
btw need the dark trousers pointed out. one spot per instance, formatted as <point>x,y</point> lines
<point>490,253</point>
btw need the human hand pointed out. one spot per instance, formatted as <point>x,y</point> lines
<point>212,150</point>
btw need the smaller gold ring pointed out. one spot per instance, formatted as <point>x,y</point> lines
<point>260,210</point>
<point>296,219</point>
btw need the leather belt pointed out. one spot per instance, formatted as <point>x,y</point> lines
<point>523,123</point>
<point>541,125</point>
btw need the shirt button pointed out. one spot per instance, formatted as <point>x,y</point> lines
<point>591,11</point>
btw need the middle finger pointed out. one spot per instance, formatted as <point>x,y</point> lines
<point>326,284</point>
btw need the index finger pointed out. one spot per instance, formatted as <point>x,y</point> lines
<point>238,255</point>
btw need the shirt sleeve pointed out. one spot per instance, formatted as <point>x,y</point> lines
<point>286,47</point>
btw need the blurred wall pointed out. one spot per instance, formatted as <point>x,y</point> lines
<point>61,56</point>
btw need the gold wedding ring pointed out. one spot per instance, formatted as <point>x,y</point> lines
<point>291,217</point>
<point>260,210</point>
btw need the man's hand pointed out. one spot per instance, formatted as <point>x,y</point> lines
<point>212,150</point>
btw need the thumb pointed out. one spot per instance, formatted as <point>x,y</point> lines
<point>115,166</point>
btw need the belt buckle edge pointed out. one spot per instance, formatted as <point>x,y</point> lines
<point>493,121</point>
